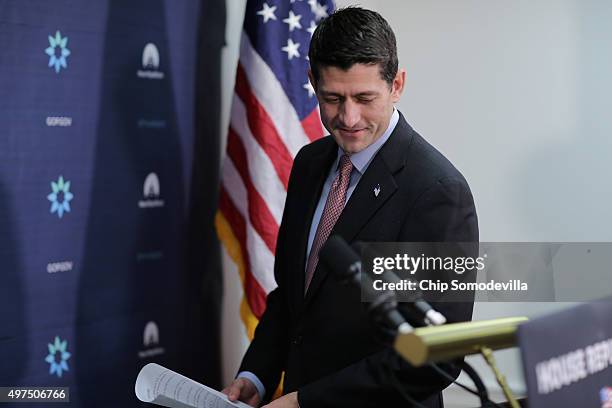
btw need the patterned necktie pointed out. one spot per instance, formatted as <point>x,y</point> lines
<point>333,208</point>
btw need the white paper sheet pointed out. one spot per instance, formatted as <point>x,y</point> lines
<point>161,386</point>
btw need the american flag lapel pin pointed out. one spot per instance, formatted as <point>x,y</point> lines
<point>377,190</point>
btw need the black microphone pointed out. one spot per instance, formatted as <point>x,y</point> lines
<point>338,256</point>
<point>430,316</point>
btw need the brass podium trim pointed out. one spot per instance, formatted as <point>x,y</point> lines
<point>454,340</point>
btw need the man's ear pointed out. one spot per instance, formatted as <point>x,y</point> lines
<point>312,80</point>
<point>397,87</point>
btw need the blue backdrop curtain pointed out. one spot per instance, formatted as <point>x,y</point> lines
<point>109,148</point>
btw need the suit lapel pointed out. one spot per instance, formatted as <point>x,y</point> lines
<point>317,170</point>
<point>364,201</point>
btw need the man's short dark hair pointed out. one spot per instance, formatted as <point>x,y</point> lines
<point>354,35</point>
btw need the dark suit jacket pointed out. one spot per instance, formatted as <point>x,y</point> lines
<point>325,342</point>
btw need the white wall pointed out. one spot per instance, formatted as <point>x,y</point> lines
<point>512,92</point>
<point>516,94</point>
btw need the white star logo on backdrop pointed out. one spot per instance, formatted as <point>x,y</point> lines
<point>267,12</point>
<point>312,27</point>
<point>293,21</point>
<point>308,86</point>
<point>291,49</point>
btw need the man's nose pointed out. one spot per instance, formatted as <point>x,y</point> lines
<point>349,114</point>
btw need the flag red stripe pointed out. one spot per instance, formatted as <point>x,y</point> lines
<point>263,129</point>
<point>312,125</point>
<point>255,295</point>
<point>259,214</point>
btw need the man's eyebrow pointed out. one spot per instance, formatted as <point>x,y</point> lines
<point>367,93</point>
<point>364,93</point>
<point>329,93</point>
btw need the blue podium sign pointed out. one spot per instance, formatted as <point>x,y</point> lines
<point>567,357</point>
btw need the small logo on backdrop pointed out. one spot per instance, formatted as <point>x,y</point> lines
<point>61,121</point>
<point>151,193</point>
<point>605,394</point>
<point>150,63</point>
<point>58,52</point>
<point>63,266</point>
<point>60,197</point>
<point>150,340</point>
<point>58,357</point>
<point>151,123</point>
<point>149,256</point>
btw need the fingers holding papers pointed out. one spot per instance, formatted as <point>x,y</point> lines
<point>241,389</point>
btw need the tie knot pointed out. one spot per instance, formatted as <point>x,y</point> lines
<point>345,164</point>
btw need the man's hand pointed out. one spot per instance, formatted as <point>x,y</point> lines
<point>286,401</point>
<point>243,390</point>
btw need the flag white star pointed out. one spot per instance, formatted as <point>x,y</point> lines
<point>313,5</point>
<point>267,12</point>
<point>293,21</point>
<point>312,27</point>
<point>291,49</point>
<point>307,86</point>
<point>320,12</point>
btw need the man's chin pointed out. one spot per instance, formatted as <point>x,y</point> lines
<point>352,148</point>
<point>350,144</point>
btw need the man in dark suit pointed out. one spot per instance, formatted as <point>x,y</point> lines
<point>373,179</point>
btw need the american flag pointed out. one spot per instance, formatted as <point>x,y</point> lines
<point>274,113</point>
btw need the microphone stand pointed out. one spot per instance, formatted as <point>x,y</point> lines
<point>431,344</point>
<point>487,353</point>
<point>434,343</point>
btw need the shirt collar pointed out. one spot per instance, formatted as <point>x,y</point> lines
<point>362,159</point>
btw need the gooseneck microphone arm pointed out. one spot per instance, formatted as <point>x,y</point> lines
<point>430,316</point>
<point>338,256</point>
<point>345,263</point>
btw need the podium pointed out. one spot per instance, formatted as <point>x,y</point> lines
<point>566,355</point>
<point>450,341</point>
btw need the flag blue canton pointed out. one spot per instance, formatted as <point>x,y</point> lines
<point>280,32</point>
